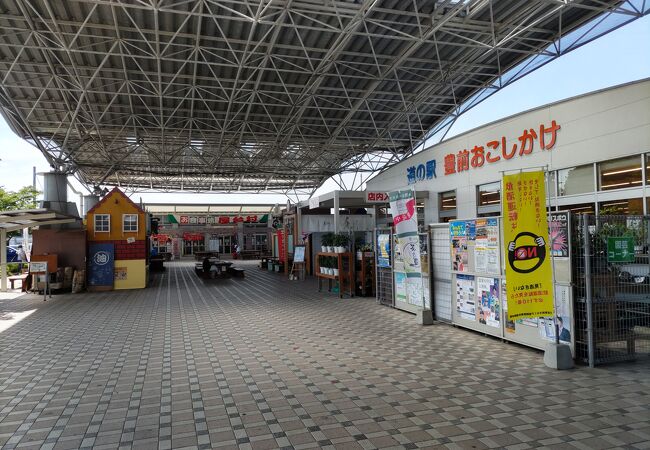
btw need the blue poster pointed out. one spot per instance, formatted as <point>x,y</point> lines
<point>471,230</point>
<point>383,250</point>
<point>101,267</point>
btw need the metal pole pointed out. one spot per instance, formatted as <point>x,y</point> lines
<point>3,260</point>
<point>588,291</point>
<point>550,247</point>
<point>336,211</point>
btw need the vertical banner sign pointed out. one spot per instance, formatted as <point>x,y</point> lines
<point>402,206</point>
<point>281,254</point>
<point>529,277</point>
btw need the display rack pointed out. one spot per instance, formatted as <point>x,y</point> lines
<point>366,273</point>
<point>345,277</point>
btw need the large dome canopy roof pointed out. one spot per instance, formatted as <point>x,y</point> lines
<point>227,95</point>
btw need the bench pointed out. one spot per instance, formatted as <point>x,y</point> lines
<point>14,278</point>
<point>236,272</point>
<point>250,254</point>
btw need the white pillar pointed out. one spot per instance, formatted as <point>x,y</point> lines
<point>26,246</point>
<point>3,260</point>
<point>336,211</point>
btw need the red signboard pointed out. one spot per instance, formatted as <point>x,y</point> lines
<point>221,220</point>
<point>160,237</point>
<point>376,197</point>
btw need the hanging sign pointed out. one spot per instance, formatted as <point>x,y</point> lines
<point>402,206</point>
<point>528,273</point>
<point>620,249</point>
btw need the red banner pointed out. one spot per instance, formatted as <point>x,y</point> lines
<point>193,237</point>
<point>282,254</point>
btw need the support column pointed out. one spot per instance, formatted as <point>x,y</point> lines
<point>336,211</point>
<point>3,260</point>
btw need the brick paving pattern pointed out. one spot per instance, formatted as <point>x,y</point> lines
<point>261,363</point>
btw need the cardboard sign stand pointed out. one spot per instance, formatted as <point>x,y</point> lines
<point>38,268</point>
<point>298,265</point>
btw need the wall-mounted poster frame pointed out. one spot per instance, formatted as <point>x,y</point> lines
<point>383,266</point>
<point>476,274</point>
<point>479,300</point>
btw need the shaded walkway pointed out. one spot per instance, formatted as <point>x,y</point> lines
<point>262,362</point>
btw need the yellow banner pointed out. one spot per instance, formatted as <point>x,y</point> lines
<point>529,277</point>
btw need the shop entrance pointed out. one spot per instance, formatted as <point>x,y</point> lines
<point>191,247</point>
<point>225,244</point>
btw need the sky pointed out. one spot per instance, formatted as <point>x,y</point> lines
<point>619,57</point>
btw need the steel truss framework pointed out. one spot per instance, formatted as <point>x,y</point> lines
<point>239,95</point>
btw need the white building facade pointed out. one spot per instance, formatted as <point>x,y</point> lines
<point>595,147</point>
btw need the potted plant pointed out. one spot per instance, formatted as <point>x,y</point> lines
<point>367,250</point>
<point>326,242</point>
<point>341,242</point>
<point>323,264</point>
<point>364,249</point>
<point>335,266</point>
<point>331,263</point>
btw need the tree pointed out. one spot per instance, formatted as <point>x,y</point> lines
<point>24,198</point>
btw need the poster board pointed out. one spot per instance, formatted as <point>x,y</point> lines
<point>479,300</point>
<point>299,254</point>
<point>51,259</point>
<point>38,267</point>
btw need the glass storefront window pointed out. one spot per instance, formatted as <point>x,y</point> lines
<point>489,214</point>
<point>581,208</point>
<point>620,173</point>
<point>576,180</point>
<point>552,183</point>
<point>420,212</point>
<point>446,206</point>
<point>448,201</point>
<point>632,206</point>
<point>489,194</point>
<point>259,242</point>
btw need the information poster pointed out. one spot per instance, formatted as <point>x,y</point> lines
<point>563,318</point>
<point>400,287</point>
<point>383,250</point>
<point>558,233</point>
<point>465,297</point>
<point>511,324</point>
<point>402,205</point>
<point>492,227</point>
<point>459,253</point>
<point>488,311</point>
<point>480,248</point>
<point>525,230</point>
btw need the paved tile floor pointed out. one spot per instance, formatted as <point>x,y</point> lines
<point>264,363</point>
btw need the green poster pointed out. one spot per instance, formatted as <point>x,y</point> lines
<point>620,249</point>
